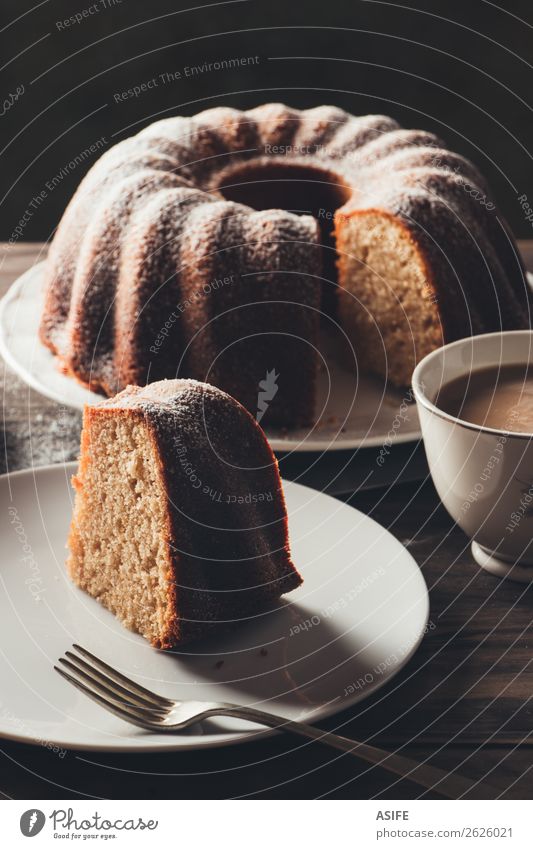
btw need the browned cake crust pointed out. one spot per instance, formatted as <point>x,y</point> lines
<point>177,256</point>
<point>179,524</point>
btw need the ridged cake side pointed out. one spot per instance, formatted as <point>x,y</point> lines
<point>156,222</point>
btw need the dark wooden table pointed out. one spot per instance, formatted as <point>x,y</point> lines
<point>464,700</point>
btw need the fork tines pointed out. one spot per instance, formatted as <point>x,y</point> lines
<point>112,690</point>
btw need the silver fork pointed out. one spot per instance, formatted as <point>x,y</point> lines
<point>152,712</point>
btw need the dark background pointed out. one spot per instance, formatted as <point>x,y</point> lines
<point>461,69</point>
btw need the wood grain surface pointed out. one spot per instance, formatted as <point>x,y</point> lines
<point>464,701</point>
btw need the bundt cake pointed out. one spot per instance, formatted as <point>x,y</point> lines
<point>208,247</point>
<point>179,523</point>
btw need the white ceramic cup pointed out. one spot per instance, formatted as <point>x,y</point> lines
<point>483,476</point>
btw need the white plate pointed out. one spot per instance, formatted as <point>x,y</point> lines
<point>356,412</point>
<point>356,620</point>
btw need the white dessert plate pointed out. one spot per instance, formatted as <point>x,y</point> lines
<point>355,411</point>
<point>356,620</point>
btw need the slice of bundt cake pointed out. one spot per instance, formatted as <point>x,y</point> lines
<point>179,523</point>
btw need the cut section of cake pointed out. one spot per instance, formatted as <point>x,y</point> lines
<point>179,524</point>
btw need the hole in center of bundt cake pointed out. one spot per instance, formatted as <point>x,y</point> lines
<point>301,189</point>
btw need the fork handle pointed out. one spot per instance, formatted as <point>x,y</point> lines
<point>449,785</point>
